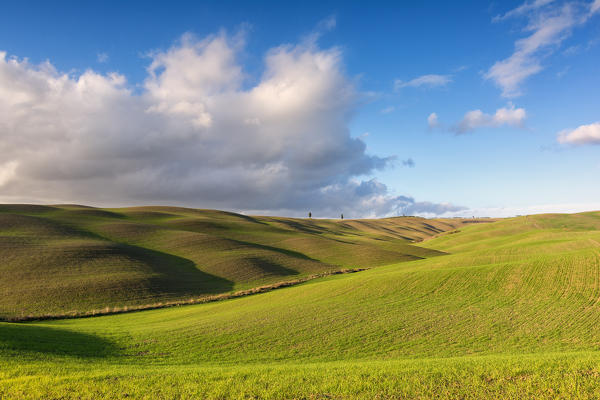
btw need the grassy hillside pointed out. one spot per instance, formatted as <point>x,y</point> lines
<point>510,312</point>
<point>58,260</point>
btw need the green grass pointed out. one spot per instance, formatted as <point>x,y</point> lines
<point>512,311</point>
<point>73,260</point>
<point>547,376</point>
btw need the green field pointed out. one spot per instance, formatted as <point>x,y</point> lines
<point>77,260</point>
<point>508,309</point>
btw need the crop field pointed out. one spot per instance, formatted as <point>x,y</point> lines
<point>507,309</point>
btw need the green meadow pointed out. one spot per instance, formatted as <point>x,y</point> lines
<point>446,309</point>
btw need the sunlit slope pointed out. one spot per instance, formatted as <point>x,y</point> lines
<point>73,259</point>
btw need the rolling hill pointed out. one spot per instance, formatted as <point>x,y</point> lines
<point>78,260</point>
<point>510,311</point>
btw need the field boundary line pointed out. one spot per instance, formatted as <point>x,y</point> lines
<point>177,303</point>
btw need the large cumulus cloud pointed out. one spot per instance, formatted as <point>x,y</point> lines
<point>195,134</point>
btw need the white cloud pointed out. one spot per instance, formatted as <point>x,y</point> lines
<point>431,80</point>
<point>327,24</point>
<point>475,119</point>
<point>388,110</point>
<point>195,135</point>
<point>432,121</point>
<point>409,162</point>
<point>324,26</point>
<point>523,9</point>
<point>549,25</point>
<point>584,134</point>
<point>429,210</point>
<point>102,57</point>
<point>595,7</point>
<point>7,171</point>
<point>513,211</point>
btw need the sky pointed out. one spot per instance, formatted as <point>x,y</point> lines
<point>369,109</point>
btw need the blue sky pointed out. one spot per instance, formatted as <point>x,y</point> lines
<point>404,81</point>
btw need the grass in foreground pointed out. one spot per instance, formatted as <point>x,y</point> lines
<point>547,376</point>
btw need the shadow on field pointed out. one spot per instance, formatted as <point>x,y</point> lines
<point>280,250</point>
<point>28,338</point>
<point>176,275</point>
<point>271,267</point>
